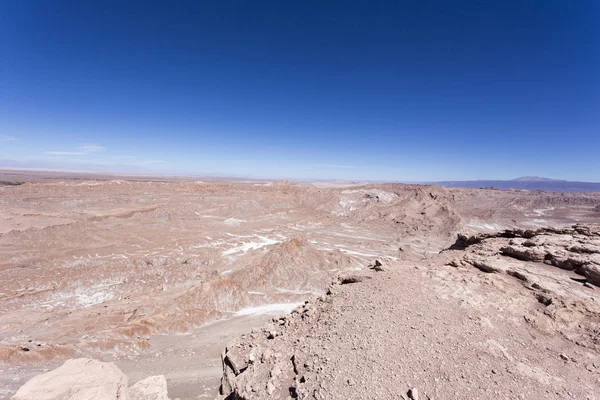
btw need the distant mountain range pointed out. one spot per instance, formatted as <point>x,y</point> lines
<point>73,167</point>
<point>528,183</point>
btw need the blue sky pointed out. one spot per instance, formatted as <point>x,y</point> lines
<point>398,90</point>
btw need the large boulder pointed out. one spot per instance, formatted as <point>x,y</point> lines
<point>77,379</point>
<point>86,379</point>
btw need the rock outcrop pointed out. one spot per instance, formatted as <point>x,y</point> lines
<point>574,249</point>
<point>559,267</point>
<point>85,379</point>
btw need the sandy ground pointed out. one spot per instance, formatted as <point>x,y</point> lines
<point>138,271</point>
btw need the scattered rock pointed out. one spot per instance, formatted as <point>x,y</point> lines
<point>464,241</point>
<point>544,299</point>
<point>151,388</point>
<point>270,388</point>
<point>413,394</point>
<point>236,360</point>
<point>483,265</point>
<point>517,275</point>
<point>378,267</point>
<point>344,280</point>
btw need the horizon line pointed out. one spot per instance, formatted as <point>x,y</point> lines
<point>242,177</point>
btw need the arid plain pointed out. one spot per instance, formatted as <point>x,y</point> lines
<point>158,275</point>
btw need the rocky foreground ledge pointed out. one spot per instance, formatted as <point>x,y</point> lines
<point>514,315</point>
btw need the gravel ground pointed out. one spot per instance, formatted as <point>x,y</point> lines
<point>397,334</point>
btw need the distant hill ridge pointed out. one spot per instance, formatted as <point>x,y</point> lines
<point>527,183</point>
<point>536,179</point>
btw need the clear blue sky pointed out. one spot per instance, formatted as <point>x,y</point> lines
<point>398,90</point>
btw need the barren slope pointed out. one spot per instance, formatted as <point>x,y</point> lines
<point>486,327</point>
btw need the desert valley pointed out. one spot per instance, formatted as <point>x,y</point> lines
<point>160,275</point>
